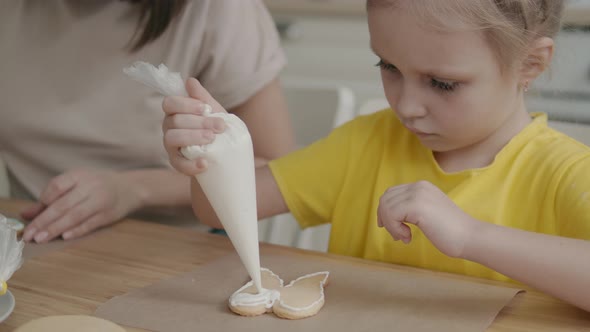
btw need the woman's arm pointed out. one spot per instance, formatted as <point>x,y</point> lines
<point>268,121</point>
<point>159,187</point>
<point>79,201</point>
<point>555,265</point>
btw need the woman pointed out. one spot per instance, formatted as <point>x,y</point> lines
<point>83,140</point>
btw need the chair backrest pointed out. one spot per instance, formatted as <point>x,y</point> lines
<point>315,110</point>
<point>372,105</point>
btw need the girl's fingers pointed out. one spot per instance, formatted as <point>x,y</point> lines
<point>399,231</point>
<point>190,121</point>
<point>184,105</point>
<point>197,91</point>
<point>392,213</point>
<point>189,167</point>
<point>178,138</point>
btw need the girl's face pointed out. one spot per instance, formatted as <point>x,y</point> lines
<point>446,87</point>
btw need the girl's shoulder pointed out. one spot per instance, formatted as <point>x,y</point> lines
<point>552,136</point>
<point>555,149</point>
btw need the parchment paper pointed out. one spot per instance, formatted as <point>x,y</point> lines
<point>359,297</point>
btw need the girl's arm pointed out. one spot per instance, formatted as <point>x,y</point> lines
<point>266,116</point>
<point>558,266</point>
<point>269,199</point>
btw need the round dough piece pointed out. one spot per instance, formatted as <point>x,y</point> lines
<point>70,323</point>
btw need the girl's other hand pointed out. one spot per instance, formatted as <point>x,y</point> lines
<point>424,205</point>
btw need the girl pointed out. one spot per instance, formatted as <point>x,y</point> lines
<point>457,169</point>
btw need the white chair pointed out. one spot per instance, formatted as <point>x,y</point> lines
<point>372,105</point>
<point>315,110</point>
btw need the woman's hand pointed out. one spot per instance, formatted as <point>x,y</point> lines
<point>425,206</point>
<point>78,202</point>
<point>184,125</point>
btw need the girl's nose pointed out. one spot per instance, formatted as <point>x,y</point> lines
<point>409,104</point>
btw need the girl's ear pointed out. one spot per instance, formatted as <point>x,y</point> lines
<point>537,60</point>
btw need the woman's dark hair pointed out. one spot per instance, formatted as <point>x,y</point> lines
<point>154,18</point>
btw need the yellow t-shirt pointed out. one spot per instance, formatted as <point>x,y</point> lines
<point>539,182</point>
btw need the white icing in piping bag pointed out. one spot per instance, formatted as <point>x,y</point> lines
<point>229,181</point>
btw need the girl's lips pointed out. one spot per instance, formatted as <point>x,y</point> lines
<point>417,132</point>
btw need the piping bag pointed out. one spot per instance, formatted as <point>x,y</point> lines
<point>11,251</point>
<point>229,181</point>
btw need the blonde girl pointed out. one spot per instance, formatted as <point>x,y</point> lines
<point>457,176</point>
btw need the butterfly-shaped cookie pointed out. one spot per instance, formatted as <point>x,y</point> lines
<point>301,298</point>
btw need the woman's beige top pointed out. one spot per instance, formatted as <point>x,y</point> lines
<point>65,102</point>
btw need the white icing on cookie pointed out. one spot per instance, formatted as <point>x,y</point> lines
<point>267,297</point>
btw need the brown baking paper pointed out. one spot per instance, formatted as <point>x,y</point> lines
<point>359,297</point>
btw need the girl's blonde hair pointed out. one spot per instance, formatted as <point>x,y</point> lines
<point>510,25</point>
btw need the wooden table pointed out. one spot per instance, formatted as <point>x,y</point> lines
<point>134,254</point>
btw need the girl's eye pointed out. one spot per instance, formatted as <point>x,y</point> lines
<point>443,86</point>
<point>386,66</point>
